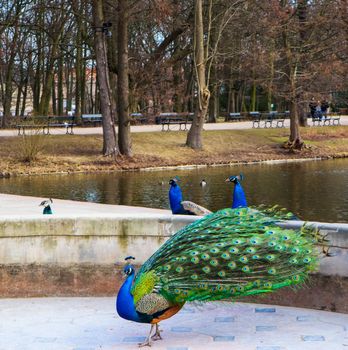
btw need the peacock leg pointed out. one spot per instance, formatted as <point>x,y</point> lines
<point>147,341</point>
<point>157,335</point>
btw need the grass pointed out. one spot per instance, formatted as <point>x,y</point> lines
<point>82,153</point>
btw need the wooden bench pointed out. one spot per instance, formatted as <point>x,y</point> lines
<point>234,117</point>
<point>46,123</point>
<point>168,119</point>
<point>95,119</point>
<point>138,118</point>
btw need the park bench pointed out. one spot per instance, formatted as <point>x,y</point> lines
<point>92,119</point>
<point>327,119</point>
<point>275,119</point>
<point>46,123</point>
<point>138,118</point>
<point>168,119</point>
<point>234,117</point>
<point>256,119</point>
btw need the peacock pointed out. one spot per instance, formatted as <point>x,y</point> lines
<point>225,255</point>
<point>47,206</point>
<point>178,206</point>
<point>239,199</point>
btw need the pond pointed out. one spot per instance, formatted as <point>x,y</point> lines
<point>314,190</point>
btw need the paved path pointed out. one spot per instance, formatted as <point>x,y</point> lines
<point>91,323</point>
<point>154,128</point>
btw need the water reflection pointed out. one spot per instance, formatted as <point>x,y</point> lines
<point>312,190</point>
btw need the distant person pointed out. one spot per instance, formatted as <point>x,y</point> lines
<point>324,107</point>
<point>312,106</point>
<point>318,114</point>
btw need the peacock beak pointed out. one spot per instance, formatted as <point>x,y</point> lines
<point>227,180</point>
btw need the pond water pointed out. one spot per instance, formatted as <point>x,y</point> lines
<point>314,190</point>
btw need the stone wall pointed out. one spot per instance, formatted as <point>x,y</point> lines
<point>84,256</point>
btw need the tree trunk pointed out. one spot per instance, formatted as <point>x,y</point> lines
<point>124,136</point>
<point>109,133</point>
<point>194,136</point>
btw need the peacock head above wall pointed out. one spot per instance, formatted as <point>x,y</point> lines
<point>235,179</point>
<point>129,268</point>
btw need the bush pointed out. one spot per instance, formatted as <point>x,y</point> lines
<point>31,144</point>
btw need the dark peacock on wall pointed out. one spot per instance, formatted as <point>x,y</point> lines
<point>47,206</point>
<point>178,205</point>
<point>225,255</point>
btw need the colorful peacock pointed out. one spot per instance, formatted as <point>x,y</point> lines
<point>225,255</point>
<point>178,205</point>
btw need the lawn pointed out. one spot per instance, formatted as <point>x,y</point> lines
<point>82,153</point>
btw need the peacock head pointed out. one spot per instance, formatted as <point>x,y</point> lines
<point>235,179</point>
<point>174,181</point>
<point>129,268</point>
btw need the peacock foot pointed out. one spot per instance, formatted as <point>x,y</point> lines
<point>157,335</point>
<point>145,343</point>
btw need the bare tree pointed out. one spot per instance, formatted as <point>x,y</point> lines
<point>110,147</point>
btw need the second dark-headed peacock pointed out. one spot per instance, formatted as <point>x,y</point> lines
<point>225,255</point>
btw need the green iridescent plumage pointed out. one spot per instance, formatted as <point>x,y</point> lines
<point>227,255</point>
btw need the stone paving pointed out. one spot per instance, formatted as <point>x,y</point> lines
<point>92,323</point>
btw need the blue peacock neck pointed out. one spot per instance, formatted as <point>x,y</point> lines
<point>125,303</point>
<point>239,200</point>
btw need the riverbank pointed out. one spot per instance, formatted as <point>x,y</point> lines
<point>81,153</point>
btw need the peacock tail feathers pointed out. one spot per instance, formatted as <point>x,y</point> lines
<point>226,255</point>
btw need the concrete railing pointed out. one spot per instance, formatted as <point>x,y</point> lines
<point>107,240</point>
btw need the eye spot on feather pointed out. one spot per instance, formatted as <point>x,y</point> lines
<point>293,261</point>
<point>221,273</point>
<point>272,271</point>
<point>232,265</point>
<point>243,259</point>
<point>225,256</point>
<point>307,260</point>
<point>296,278</point>
<point>195,260</point>
<point>206,269</point>
<point>166,267</point>
<point>220,287</point>
<point>194,276</point>
<point>237,241</point>
<point>182,259</point>
<point>295,250</point>
<point>177,291</point>
<point>214,250</point>
<point>194,253</point>
<point>308,251</point>
<point>269,233</point>
<point>250,250</point>
<point>205,256</point>
<point>257,283</point>
<point>270,257</point>
<point>278,247</point>
<point>286,238</point>
<point>220,244</point>
<point>240,288</point>
<point>246,268</point>
<point>254,241</point>
<point>203,285</point>
<point>179,269</point>
<point>268,285</point>
<point>234,250</point>
<point>272,244</point>
<point>214,262</point>
<point>255,257</point>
